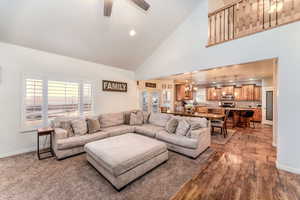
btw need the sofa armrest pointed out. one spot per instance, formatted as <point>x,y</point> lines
<point>196,134</point>
<point>60,133</point>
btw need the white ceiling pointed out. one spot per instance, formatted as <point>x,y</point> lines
<point>77,28</point>
<point>229,74</point>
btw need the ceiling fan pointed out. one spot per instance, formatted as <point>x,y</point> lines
<point>108,4</point>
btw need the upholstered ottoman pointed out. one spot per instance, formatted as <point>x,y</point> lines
<point>124,158</point>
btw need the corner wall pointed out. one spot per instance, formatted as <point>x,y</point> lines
<point>16,60</point>
<point>185,51</point>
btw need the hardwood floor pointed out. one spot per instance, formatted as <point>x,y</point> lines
<point>244,170</point>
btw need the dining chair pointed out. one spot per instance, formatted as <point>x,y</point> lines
<point>221,124</point>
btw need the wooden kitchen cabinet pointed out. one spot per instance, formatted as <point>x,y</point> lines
<point>227,90</point>
<point>257,117</point>
<point>181,94</point>
<point>243,93</point>
<point>257,93</point>
<point>247,93</point>
<point>213,94</point>
<point>238,94</point>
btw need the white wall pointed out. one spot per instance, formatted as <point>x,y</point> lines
<point>185,51</point>
<point>16,60</point>
<point>267,82</point>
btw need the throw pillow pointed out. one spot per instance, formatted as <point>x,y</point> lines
<point>171,125</point>
<point>66,125</point>
<point>93,125</point>
<point>182,128</point>
<point>199,122</point>
<point>79,126</point>
<point>159,119</point>
<point>146,117</point>
<point>127,116</point>
<point>136,118</point>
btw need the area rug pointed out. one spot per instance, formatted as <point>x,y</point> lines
<point>24,177</point>
<point>218,138</point>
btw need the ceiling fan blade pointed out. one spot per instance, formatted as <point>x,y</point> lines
<point>142,4</point>
<point>108,7</point>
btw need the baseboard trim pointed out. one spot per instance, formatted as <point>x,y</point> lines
<point>19,151</point>
<point>287,168</point>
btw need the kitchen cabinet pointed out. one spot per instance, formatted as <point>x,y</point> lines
<point>243,93</point>
<point>257,93</point>
<point>213,94</point>
<point>238,94</point>
<point>227,90</point>
<point>181,94</point>
<point>257,117</point>
<point>247,93</point>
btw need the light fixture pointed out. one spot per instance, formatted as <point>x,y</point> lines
<point>132,32</point>
<point>214,82</point>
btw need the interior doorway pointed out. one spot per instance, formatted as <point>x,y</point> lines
<point>268,105</point>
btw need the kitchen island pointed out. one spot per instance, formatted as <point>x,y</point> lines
<point>210,116</point>
<point>215,113</point>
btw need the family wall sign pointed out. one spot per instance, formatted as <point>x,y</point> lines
<point>114,86</point>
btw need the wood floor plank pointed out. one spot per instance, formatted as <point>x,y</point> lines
<point>243,169</point>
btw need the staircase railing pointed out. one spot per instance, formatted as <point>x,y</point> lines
<point>246,17</point>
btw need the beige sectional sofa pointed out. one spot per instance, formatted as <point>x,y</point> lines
<point>115,124</point>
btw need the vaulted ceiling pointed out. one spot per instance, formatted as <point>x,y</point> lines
<point>77,28</point>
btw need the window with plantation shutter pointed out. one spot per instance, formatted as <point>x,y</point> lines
<point>46,99</point>
<point>33,102</point>
<point>87,99</point>
<point>63,99</point>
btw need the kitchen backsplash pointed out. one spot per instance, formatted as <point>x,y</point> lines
<point>238,103</point>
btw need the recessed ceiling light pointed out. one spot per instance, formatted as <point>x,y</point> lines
<point>132,33</point>
<point>214,82</point>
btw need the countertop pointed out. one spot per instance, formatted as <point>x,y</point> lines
<point>235,108</point>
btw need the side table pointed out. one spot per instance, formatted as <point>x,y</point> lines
<point>44,132</point>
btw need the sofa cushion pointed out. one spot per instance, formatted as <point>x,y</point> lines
<point>66,125</point>
<point>78,141</point>
<point>127,116</point>
<point>119,130</point>
<point>159,119</point>
<point>136,118</point>
<point>111,119</point>
<point>182,128</point>
<point>148,130</point>
<point>60,133</point>
<point>79,127</point>
<point>171,125</point>
<point>93,125</point>
<point>179,140</point>
<point>201,122</point>
<point>125,152</point>
<point>197,122</point>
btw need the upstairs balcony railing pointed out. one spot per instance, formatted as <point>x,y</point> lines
<point>246,17</point>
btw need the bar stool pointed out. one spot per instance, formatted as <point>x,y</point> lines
<point>246,117</point>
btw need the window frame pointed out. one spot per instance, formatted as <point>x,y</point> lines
<point>45,80</point>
